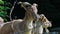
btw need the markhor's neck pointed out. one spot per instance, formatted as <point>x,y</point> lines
<point>28,16</point>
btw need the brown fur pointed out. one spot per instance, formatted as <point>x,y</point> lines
<point>19,25</point>
<point>23,26</point>
<point>6,29</point>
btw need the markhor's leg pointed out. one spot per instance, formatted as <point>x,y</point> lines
<point>41,30</point>
<point>47,31</point>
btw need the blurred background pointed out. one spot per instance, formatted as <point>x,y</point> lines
<point>50,8</point>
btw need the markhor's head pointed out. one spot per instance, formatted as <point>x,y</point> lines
<point>28,7</point>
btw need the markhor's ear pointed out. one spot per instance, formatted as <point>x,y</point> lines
<point>35,4</point>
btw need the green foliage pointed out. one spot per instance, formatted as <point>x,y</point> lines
<point>1,2</point>
<point>3,15</point>
<point>3,10</point>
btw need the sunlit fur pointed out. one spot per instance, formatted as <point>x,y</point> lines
<point>42,23</point>
<point>45,22</point>
<point>1,20</point>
